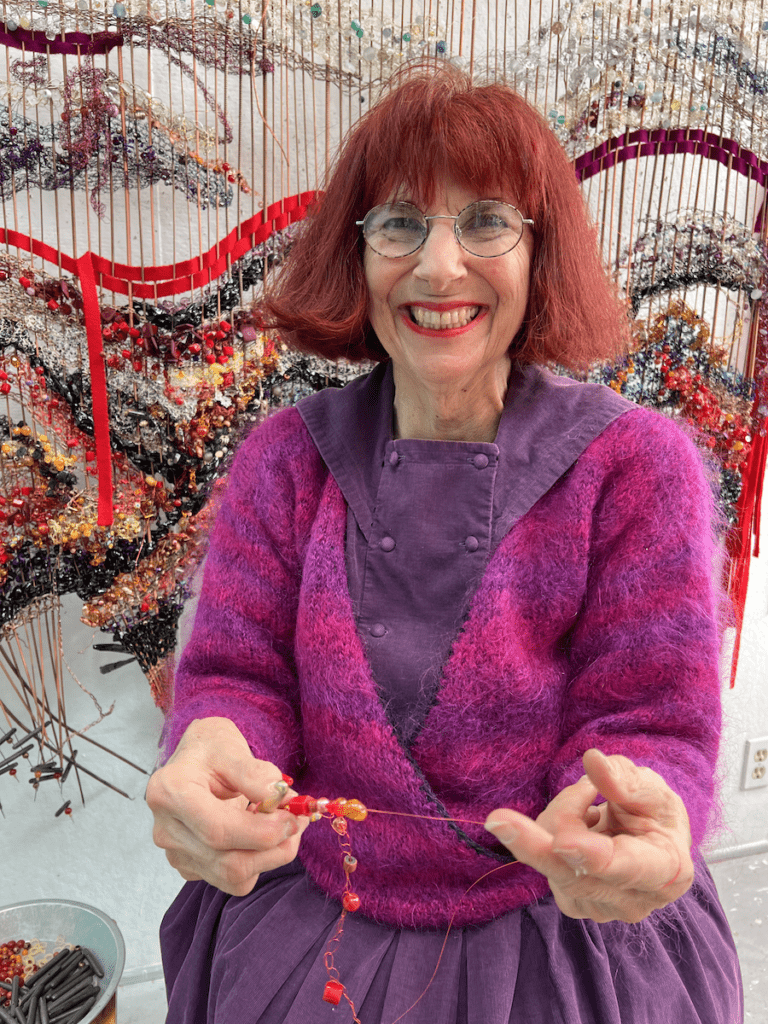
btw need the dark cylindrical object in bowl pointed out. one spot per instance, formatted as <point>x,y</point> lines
<point>79,925</point>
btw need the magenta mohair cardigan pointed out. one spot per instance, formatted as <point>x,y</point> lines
<point>594,625</point>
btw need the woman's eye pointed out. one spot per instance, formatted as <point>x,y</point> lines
<point>488,222</point>
<point>402,224</point>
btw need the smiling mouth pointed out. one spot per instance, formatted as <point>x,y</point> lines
<point>435,321</point>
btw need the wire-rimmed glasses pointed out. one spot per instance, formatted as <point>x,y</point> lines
<point>485,228</point>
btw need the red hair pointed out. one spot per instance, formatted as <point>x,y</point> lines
<point>432,122</point>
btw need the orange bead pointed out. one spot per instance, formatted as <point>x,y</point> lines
<point>354,810</point>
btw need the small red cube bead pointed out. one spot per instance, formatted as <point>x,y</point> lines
<point>302,805</point>
<point>333,992</point>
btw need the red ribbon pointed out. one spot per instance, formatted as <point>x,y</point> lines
<point>642,142</point>
<point>99,397</point>
<point>95,272</point>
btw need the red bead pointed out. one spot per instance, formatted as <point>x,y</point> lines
<point>301,805</point>
<point>336,806</point>
<point>210,358</point>
<point>5,387</point>
<point>351,901</point>
<point>134,332</point>
<point>333,992</point>
<point>137,366</point>
<point>52,305</point>
<point>25,282</point>
<point>90,456</point>
<point>286,778</point>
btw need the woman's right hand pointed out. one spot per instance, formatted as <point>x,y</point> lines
<point>200,801</point>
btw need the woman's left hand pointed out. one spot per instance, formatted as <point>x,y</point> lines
<point>614,862</point>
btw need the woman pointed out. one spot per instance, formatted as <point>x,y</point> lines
<point>462,588</point>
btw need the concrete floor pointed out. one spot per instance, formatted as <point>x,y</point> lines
<point>103,853</point>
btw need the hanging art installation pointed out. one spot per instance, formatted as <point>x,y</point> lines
<point>156,160</point>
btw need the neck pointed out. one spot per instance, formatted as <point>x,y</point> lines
<point>453,412</point>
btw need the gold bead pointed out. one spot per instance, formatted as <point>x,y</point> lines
<point>355,810</point>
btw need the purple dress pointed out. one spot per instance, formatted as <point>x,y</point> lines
<point>259,958</point>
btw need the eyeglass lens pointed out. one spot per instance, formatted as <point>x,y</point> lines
<point>485,228</point>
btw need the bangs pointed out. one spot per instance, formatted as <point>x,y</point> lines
<point>432,126</point>
<point>424,137</point>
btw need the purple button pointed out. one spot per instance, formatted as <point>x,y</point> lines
<point>394,458</point>
<point>378,629</point>
<point>480,461</point>
<point>471,543</point>
<point>387,543</point>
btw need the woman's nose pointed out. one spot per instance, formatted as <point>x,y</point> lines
<point>440,259</point>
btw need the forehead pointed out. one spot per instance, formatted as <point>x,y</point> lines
<point>444,195</point>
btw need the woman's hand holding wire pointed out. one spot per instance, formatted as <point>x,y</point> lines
<point>618,861</point>
<point>203,800</point>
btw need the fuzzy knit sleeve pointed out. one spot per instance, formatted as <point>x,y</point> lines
<point>238,662</point>
<point>645,649</point>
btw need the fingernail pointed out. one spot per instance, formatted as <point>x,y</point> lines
<point>291,828</point>
<point>279,789</point>
<point>503,831</point>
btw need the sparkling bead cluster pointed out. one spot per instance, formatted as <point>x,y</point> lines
<point>135,160</point>
<point>184,383</point>
<point>337,35</point>
<point>12,956</point>
<point>338,812</point>
<point>708,248</point>
<point>677,369</point>
<point>666,66</point>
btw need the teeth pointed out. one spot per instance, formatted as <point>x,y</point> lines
<point>440,321</point>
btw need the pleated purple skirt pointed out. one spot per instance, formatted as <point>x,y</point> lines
<point>258,959</point>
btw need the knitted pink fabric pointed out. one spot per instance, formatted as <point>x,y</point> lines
<point>595,624</point>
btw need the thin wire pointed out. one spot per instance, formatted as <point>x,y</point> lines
<point>427,817</point>
<point>445,940</point>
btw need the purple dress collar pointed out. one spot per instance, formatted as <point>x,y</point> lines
<point>426,516</point>
<point>547,422</point>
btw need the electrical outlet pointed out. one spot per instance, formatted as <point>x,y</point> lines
<point>755,764</point>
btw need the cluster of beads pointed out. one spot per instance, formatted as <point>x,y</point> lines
<point>338,812</point>
<point>11,965</point>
